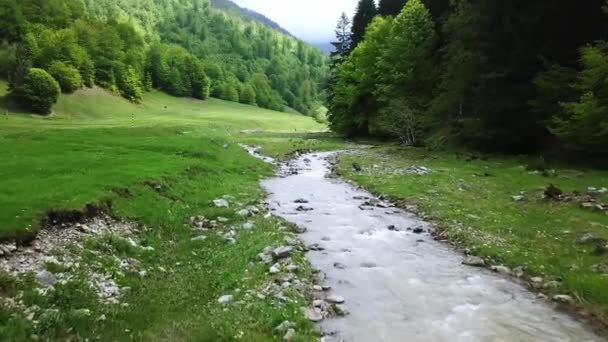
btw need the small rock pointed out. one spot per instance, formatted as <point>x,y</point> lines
<point>265,258</point>
<point>291,268</point>
<point>284,327</point>
<point>565,299</point>
<point>339,265</point>
<point>518,198</point>
<point>501,269</point>
<point>290,335</point>
<point>313,314</point>
<point>221,203</point>
<point>586,238</point>
<point>553,284</point>
<point>341,310</point>
<point>418,230</point>
<point>474,261</point>
<point>600,268</point>
<point>300,201</point>
<point>317,288</point>
<point>392,228</point>
<point>274,269</point>
<point>243,212</point>
<point>46,278</point>
<point>519,271</point>
<point>225,299</point>
<point>199,238</point>
<point>335,299</point>
<point>248,226</point>
<point>315,247</point>
<point>282,252</point>
<point>536,280</point>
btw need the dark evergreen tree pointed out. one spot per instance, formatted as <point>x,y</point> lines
<point>365,13</point>
<point>343,38</point>
<point>390,7</point>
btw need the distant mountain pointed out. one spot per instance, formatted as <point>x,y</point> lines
<point>327,48</point>
<point>246,13</point>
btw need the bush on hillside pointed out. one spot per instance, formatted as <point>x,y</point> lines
<point>68,77</point>
<point>128,82</point>
<point>39,92</point>
<point>247,95</point>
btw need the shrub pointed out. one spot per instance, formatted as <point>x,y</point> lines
<point>247,95</point>
<point>128,82</point>
<point>68,77</point>
<point>39,92</point>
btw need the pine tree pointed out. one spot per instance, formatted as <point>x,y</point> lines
<point>390,7</point>
<point>366,11</point>
<point>343,38</point>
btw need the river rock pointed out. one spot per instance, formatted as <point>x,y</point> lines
<point>265,258</point>
<point>284,327</point>
<point>225,299</point>
<point>199,238</point>
<point>474,261</point>
<point>565,299</point>
<point>243,212</point>
<point>339,265</point>
<point>418,230</point>
<point>501,269</point>
<point>290,335</point>
<point>282,252</point>
<point>46,278</point>
<point>315,247</point>
<point>313,314</point>
<point>248,226</point>
<point>335,299</point>
<point>300,201</point>
<point>275,269</point>
<point>221,203</point>
<point>341,310</point>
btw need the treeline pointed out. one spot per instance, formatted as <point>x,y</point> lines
<point>183,47</point>
<point>509,76</point>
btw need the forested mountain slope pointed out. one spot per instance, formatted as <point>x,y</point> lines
<point>183,47</point>
<point>246,13</point>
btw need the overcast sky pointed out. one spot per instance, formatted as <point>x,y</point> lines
<point>311,20</point>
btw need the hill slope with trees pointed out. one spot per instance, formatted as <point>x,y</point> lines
<point>185,48</point>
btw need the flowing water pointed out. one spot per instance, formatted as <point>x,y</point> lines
<point>402,286</point>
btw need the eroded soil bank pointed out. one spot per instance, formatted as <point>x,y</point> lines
<point>397,282</point>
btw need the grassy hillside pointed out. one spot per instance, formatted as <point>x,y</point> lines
<point>179,155</point>
<point>96,141</point>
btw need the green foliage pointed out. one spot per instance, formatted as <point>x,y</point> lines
<point>386,77</point>
<point>67,76</point>
<point>247,95</point>
<point>39,92</point>
<point>13,23</point>
<point>364,14</point>
<point>584,122</point>
<point>491,75</point>
<point>128,82</point>
<point>390,7</point>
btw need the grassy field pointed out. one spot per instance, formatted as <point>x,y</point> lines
<point>471,200</point>
<point>96,148</point>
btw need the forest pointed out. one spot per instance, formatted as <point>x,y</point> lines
<point>187,48</point>
<point>506,76</point>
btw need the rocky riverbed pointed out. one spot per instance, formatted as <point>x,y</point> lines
<point>384,277</point>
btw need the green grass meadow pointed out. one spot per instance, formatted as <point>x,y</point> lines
<point>97,147</point>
